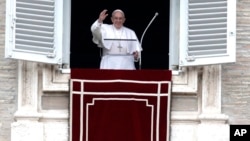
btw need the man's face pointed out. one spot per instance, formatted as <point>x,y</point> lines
<point>118,19</point>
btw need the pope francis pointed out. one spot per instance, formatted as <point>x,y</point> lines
<point>119,45</point>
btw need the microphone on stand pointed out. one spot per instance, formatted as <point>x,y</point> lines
<point>156,14</point>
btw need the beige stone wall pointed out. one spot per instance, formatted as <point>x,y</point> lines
<point>8,84</point>
<point>236,77</point>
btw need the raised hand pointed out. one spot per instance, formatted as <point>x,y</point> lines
<point>102,16</point>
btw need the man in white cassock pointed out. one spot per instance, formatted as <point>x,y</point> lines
<point>120,45</point>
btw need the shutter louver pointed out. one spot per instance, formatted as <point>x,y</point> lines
<point>35,31</point>
<point>35,26</point>
<point>207,32</point>
<point>207,28</point>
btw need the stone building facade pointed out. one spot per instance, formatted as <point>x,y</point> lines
<point>8,84</point>
<point>34,97</point>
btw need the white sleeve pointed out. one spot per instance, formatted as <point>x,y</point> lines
<point>96,32</point>
<point>135,45</point>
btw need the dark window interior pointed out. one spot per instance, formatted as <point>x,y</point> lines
<point>85,54</point>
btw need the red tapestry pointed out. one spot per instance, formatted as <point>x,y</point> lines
<point>120,105</point>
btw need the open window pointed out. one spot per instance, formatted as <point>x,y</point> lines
<point>86,54</point>
<point>186,32</point>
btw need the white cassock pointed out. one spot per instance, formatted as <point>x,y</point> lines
<point>117,46</point>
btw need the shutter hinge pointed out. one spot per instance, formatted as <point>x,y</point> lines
<point>51,55</point>
<point>231,33</point>
<point>12,26</point>
<point>13,22</point>
<point>64,68</point>
<point>190,58</point>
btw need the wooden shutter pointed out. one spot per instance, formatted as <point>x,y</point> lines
<point>34,30</point>
<point>208,32</point>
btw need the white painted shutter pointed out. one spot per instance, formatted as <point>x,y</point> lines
<point>207,32</point>
<point>34,30</point>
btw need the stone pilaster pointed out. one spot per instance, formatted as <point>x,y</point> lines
<point>27,125</point>
<point>213,124</point>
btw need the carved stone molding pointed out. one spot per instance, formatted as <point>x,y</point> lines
<point>184,117</point>
<point>27,125</point>
<point>211,89</point>
<point>27,90</point>
<point>213,124</point>
<point>186,81</point>
<point>54,80</point>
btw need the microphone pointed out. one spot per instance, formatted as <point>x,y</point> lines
<point>156,14</point>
